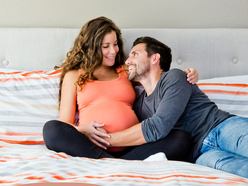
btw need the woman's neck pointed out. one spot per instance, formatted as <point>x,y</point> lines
<point>106,74</point>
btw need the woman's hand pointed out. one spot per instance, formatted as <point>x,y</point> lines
<point>192,75</point>
<point>95,133</point>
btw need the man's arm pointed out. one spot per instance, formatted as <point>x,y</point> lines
<point>130,137</point>
<point>171,107</point>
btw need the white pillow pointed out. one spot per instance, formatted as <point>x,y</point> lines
<point>229,93</point>
<point>28,99</point>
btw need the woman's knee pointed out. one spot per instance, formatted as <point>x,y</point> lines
<point>180,145</point>
<point>51,131</point>
<point>182,138</point>
<point>50,127</point>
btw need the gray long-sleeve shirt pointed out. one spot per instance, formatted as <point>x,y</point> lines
<point>175,103</point>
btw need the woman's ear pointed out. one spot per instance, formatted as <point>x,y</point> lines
<point>155,58</point>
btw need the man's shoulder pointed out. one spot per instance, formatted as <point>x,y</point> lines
<point>173,74</point>
<point>176,71</point>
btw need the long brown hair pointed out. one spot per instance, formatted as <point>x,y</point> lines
<point>86,53</point>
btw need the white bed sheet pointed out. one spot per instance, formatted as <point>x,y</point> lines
<point>23,164</point>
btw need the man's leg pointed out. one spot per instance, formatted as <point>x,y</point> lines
<point>233,135</point>
<point>225,147</point>
<point>176,146</point>
<point>62,137</point>
<point>224,161</point>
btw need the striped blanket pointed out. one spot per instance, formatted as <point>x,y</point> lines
<point>24,164</point>
<point>29,99</point>
<point>229,93</point>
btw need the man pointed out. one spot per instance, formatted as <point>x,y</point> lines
<point>168,101</point>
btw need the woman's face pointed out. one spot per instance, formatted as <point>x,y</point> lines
<point>110,49</point>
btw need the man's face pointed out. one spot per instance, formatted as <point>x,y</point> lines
<point>138,62</point>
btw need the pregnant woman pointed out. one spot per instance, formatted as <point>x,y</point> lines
<point>94,84</point>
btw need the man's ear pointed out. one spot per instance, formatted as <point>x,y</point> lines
<point>155,58</point>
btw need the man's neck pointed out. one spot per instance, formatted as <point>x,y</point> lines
<point>150,82</point>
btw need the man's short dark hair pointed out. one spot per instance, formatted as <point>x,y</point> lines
<point>154,46</point>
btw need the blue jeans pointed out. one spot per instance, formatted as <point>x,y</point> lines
<point>226,147</point>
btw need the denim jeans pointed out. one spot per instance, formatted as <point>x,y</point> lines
<point>226,147</point>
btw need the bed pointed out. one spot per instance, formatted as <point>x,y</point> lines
<point>29,93</point>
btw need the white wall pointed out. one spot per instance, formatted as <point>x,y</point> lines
<point>126,13</point>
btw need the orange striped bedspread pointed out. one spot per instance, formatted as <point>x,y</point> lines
<point>229,93</point>
<point>25,164</point>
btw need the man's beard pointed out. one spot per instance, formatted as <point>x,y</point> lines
<point>138,74</point>
<point>132,76</point>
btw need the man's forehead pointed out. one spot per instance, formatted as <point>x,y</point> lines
<point>139,47</point>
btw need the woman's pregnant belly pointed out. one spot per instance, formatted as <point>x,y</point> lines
<point>116,116</point>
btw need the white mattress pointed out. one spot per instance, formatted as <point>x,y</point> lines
<point>36,164</point>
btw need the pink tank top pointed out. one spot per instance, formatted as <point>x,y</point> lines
<point>108,102</point>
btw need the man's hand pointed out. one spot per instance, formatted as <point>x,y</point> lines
<point>95,133</point>
<point>132,136</point>
<point>192,75</point>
